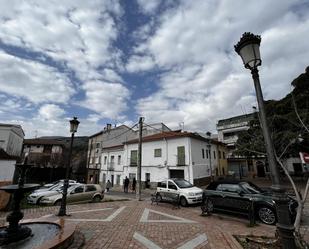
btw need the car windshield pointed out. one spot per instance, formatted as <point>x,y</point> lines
<point>181,183</point>
<point>250,187</point>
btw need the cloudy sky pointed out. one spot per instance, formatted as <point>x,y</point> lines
<point>170,61</point>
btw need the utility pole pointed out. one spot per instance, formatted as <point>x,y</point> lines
<point>139,159</point>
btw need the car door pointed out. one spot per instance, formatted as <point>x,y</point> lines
<point>162,189</point>
<point>90,190</point>
<point>172,189</point>
<point>234,198</point>
<point>76,195</point>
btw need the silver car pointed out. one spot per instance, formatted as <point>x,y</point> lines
<point>77,194</point>
<point>36,196</point>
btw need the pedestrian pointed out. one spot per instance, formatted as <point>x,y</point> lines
<point>108,186</point>
<point>134,185</point>
<point>126,184</point>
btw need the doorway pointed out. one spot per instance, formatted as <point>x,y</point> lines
<point>176,173</point>
<point>147,182</point>
<point>260,169</point>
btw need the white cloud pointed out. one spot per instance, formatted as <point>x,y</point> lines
<point>107,99</point>
<point>50,112</point>
<point>147,6</point>
<point>204,79</point>
<point>34,81</point>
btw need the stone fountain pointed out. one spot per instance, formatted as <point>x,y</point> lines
<point>38,233</point>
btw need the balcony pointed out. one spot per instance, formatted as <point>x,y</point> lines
<point>181,160</point>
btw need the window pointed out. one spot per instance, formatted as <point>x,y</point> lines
<point>157,153</point>
<point>119,160</point>
<point>112,159</point>
<point>172,185</point>
<point>207,154</point>
<point>214,155</point>
<point>219,154</point>
<point>97,145</point>
<point>118,180</point>
<point>181,156</point>
<point>38,146</point>
<point>133,159</point>
<point>79,190</point>
<point>105,160</point>
<point>203,153</point>
<point>90,188</point>
<point>162,184</point>
<point>233,188</point>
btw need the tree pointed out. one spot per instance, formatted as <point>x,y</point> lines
<point>288,119</point>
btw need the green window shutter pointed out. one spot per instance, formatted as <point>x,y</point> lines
<point>133,159</point>
<point>181,155</point>
<point>157,153</point>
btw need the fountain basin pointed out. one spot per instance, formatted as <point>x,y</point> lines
<point>45,234</point>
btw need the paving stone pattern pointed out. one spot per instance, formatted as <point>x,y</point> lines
<point>120,231</point>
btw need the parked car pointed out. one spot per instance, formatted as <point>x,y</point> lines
<point>36,196</point>
<point>188,194</point>
<point>77,194</point>
<point>238,196</point>
<point>48,185</point>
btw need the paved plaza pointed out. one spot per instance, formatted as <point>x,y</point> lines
<point>134,224</point>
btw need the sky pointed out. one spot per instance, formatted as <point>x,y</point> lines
<point>170,61</point>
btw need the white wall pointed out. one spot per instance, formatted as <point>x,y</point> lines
<point>11,140</point>
<point>158,167</point>
<point>7,168</point>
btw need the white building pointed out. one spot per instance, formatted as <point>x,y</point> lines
<point>11,139</point>
<point>7,167</point>
<point>228,129</point>
<point>172,154</point>
<point>105,151</point>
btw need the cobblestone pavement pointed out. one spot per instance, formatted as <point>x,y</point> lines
<point>134,224</point>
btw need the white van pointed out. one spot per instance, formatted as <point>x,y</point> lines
<point>188,194</point>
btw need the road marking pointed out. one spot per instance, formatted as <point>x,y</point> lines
<point>92,210</point>
<point>173,219</point>
<point>113,215</point>
<point>189,245</point>
<point>109,218</point>
<point>146,242</point>
<point>195,242</point>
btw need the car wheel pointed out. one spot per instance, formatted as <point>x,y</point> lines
<point>267,215</point>
<point>39,200</point>
<point>96,199</point>
<point>183,201</point>
<point>57,203</point>
<point>158,197</point>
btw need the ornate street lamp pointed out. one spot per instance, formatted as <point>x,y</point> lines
<point>249,50</point>
<point>73,128</point>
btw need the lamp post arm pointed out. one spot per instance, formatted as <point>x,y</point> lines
<point>267,138</point>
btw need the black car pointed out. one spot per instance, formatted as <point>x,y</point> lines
<point>239,196</point>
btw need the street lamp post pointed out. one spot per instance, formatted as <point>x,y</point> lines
<point>249,50</point>
<point>73,128</point>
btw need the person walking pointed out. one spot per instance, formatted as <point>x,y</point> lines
<point>108,186</point>
<point>126,184</point>
<point>134,185</point>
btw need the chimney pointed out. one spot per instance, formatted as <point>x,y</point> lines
<point>108,127</point>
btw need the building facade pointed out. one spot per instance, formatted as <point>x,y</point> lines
<point>11,139</point>
<point>105,151</point>
<point>171,154</point>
